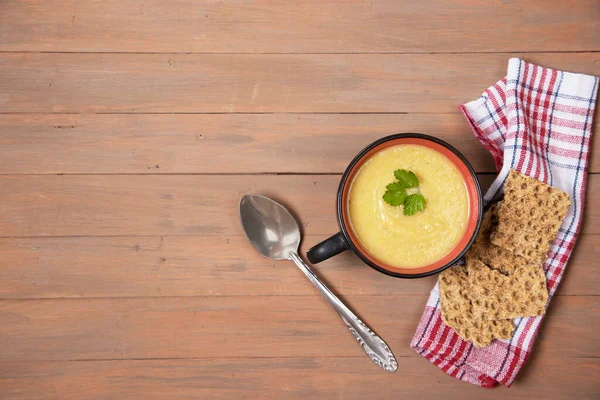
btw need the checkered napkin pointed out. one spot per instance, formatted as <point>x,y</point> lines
<point>537,121</point>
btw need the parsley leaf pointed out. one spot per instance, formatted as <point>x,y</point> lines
<point>395,194</point>
<point>407,179</point>
<point>413,203</point>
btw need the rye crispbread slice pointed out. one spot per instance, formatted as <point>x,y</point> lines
<point>495,296</point>
<point>491,255</point>
<point>457,310</point>
<point>529,217</point>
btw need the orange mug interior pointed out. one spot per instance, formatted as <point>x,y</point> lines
<point>473,195</point>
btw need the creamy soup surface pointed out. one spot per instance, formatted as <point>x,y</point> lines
<point>409,241</point>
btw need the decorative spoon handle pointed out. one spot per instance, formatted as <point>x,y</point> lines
<point>372,344</point>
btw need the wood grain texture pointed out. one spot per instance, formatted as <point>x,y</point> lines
<point>103,205</point>
<point>245,326</point>
<point>310,26</point>
<point>135,83</point>
<point>210,143</point>
<point>283,378</point>
<point>84,267</point>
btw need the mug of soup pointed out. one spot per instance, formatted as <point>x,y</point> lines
<point>412,246</point>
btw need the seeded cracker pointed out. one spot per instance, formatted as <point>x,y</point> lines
<point>493,256</point>
<point>495,296</point>
<point>457,311</point>
<point>529,217</point>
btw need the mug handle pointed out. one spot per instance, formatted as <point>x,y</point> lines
<point>327,248</point>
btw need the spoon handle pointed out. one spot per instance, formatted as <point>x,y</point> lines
<point>372,344</point>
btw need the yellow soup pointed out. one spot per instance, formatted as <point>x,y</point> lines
<point>409,241</point>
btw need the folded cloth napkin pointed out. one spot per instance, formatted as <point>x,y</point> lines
<point>537,121</point>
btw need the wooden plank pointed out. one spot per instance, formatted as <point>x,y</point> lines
<point>244,326</point>
<point>103,205</point>
<point>313,26</point>
<point>207,265</point>
<point>209,143</point>
<point>284,378</point>
<point>216,143</point>
<point>226,83</point>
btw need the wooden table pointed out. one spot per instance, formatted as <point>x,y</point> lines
<point>130,129</point>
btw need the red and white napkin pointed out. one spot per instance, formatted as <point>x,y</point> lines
<point>537,121</point>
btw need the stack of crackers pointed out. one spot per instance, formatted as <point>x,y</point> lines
<point>503,278</point>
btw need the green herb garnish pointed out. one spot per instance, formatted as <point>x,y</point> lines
<point>408,179</point>
<point>413,203</point>
<point>396,193</point>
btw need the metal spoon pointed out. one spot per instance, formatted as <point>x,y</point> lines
<point>275,234</point>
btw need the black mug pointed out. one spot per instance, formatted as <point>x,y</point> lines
<point>346,239</point>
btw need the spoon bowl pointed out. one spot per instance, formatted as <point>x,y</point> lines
<point>270,227</point>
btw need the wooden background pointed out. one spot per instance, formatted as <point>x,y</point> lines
<point>128,132</point>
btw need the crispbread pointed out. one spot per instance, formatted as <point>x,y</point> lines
<point>529,217</point>
<point>493,256</point>
<point>457,311</point>
<point>495,296</point>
